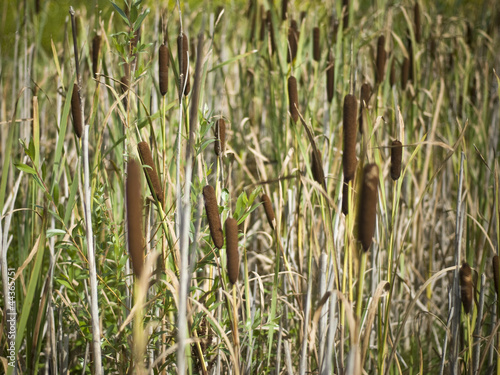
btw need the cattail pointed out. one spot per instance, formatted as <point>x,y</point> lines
<point>271,30</point>
<point>345,10</point>
<point>233,257</point>
<point>96,46</point>
<point>496,272</point>
<point>396,154</point>
<point>466,290</point>
<point>263,22</point>
<point>381,58</point>
<point>284,6</point>
<point>350,130</point>
<point>345,198</point>
<point>292,45</point>
<point>392,78</point>
<point>317,167</point>
<point>134,217</point>
<point>183,56</point>
<point>410,52</point>
<point>76,111</point>
<point>416,18</point>
<point>330,78</point>
<point>293,98</point>
<point>212,210</point>
<point>163,62</point>
<point>366,92</point>
<point>405,72</point>
<point>316,50</point>
<point>368,206</point>
<point>268,207</point>
<point>432,47</point>
<point>151,174</point>
<point>220,137</point>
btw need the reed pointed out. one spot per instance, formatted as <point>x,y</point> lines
<point>316,44</point>
<point>366,92</point>
<point>330,78</point>
<point>350,132</point>
<point>396,155</point>
<point>268,208</point>
<point>96,47</point>
<point>293,98</point>
<point>183,56</point>
<point>405,73</point>
<point>381,58</point>
<point>368,206</point>
<point>416,19</point>
<point>220,137</point>
<point>134,217</point>
<point>233,256</point>
<point>163,63</point>
<point>76,111</point>
<point>212,211</point>
<point>496,272</point>
<point>151,174</point>
<point>466,291</point>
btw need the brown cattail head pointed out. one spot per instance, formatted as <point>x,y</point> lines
<point>416,18</point>
<point>76,111</point>
<point>366,92</point>
<point>220,137</point>
<point>233,256</point>
<point>368,206</point>
<point>317,167</point>
<point>466,289</point>
<point>134,217</point>
<point>268,207</point>
<point>350,131</point>
<point>163,61</point>
<point>396,155</point>
<point>405,72</point>
<point>212,210</point>
<point>96,46</point>
<point>392,77</point>
<point>330,78</point>
<point>293,98</point>
<point>345,198</point>
<point>496,272</point>
<point>284,9</point>
<point>410,52</point>
<point>316,49</point>
<point>263,22</point>
<point>293,41</point>
<point>151,174</point>
<point>381,58</point>
<point>183,56</point>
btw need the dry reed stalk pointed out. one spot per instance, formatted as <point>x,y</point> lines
<point>330,78</point>
<point>366,92</point>
<point>183,56</point>
<point>134,217</point>
<point>466,290</point>
<point>220,137</point>
<point>368,206</point>
<point>496,272</point>
<point>268,208</point>
<point>381,58</point>
<point>293,98</point>
<point>212,210</point>
<point>233,256</point>
<point>317,167</point>
<point>396,155</point>
<point>76,111</point>
<point>350,131</point>
<point>163,62</point>
<point>151,174</point>
<point>416,18</point>
<point>316,49</point>
<point>96,46</point>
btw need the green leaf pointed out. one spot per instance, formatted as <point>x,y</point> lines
<point>140,19</point>
<point>121,13</point>
<point>25,168</point>
<point>55,232</point>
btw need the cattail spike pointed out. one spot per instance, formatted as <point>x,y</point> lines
<point>396,155</point>
<point>466,289</point>
<point>96,46</point>
<point>350,130</point>
<point>416,17</point>
<point>381,58</point>
<point>220,137</point>
<point>163,62</point>
<point>366,92</point>
<point>212,210</point>
<point>268,207</point>
<point>293,98</point>
<point>496,272</point>
<point>330,78</point>
<point>134,217</point>
<point>368,206</point>
<point>293,40</point>
<point>151,174</point>
<point>345,198</point>
<point>233,256</point>
<point>317,167</point>
<point>316,48</point>
<point>392,78</point>
<point>76,111</point>
<point>183,56</point>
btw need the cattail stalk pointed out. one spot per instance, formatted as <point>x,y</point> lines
<point>396,155</point>
<point>350,130</point>
<point>213,217</point>
<point>293,98</point>
<point>151,174</point>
